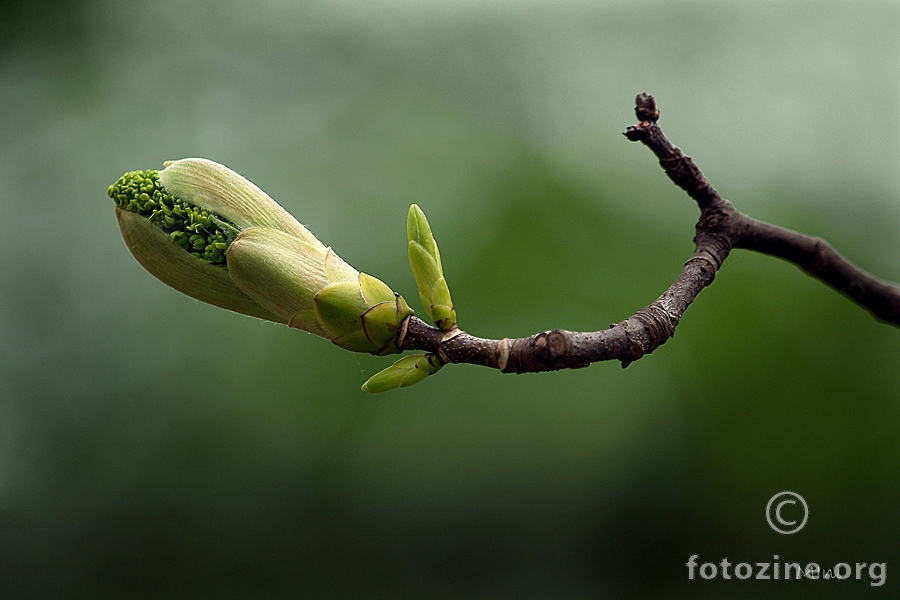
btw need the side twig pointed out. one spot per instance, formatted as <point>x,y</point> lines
<point>721,228</point>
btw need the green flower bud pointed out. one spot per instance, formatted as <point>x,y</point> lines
<point>425,261</point>
<point>407,371</point>
<point>209,233</point>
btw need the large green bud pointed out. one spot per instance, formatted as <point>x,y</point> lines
<point>211,234</point>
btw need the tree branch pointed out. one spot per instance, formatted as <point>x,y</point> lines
<point>720,228</point>
<point>818,258</point>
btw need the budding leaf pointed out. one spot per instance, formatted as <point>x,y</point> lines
<point>407,371</point>
<point>425,262</point>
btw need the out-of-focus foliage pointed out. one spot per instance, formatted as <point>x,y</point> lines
<point>153,446</point>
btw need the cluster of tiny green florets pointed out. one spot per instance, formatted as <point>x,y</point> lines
<point>200,232</point>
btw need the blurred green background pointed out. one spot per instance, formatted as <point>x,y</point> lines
<point>152,446</point>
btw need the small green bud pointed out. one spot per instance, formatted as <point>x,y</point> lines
<point>407,371</point>
<point>425,262</point>
<point>211,234</point>
<point>382,323</point>
<point>362,315</point>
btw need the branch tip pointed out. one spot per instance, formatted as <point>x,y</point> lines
<point>645,108</point>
